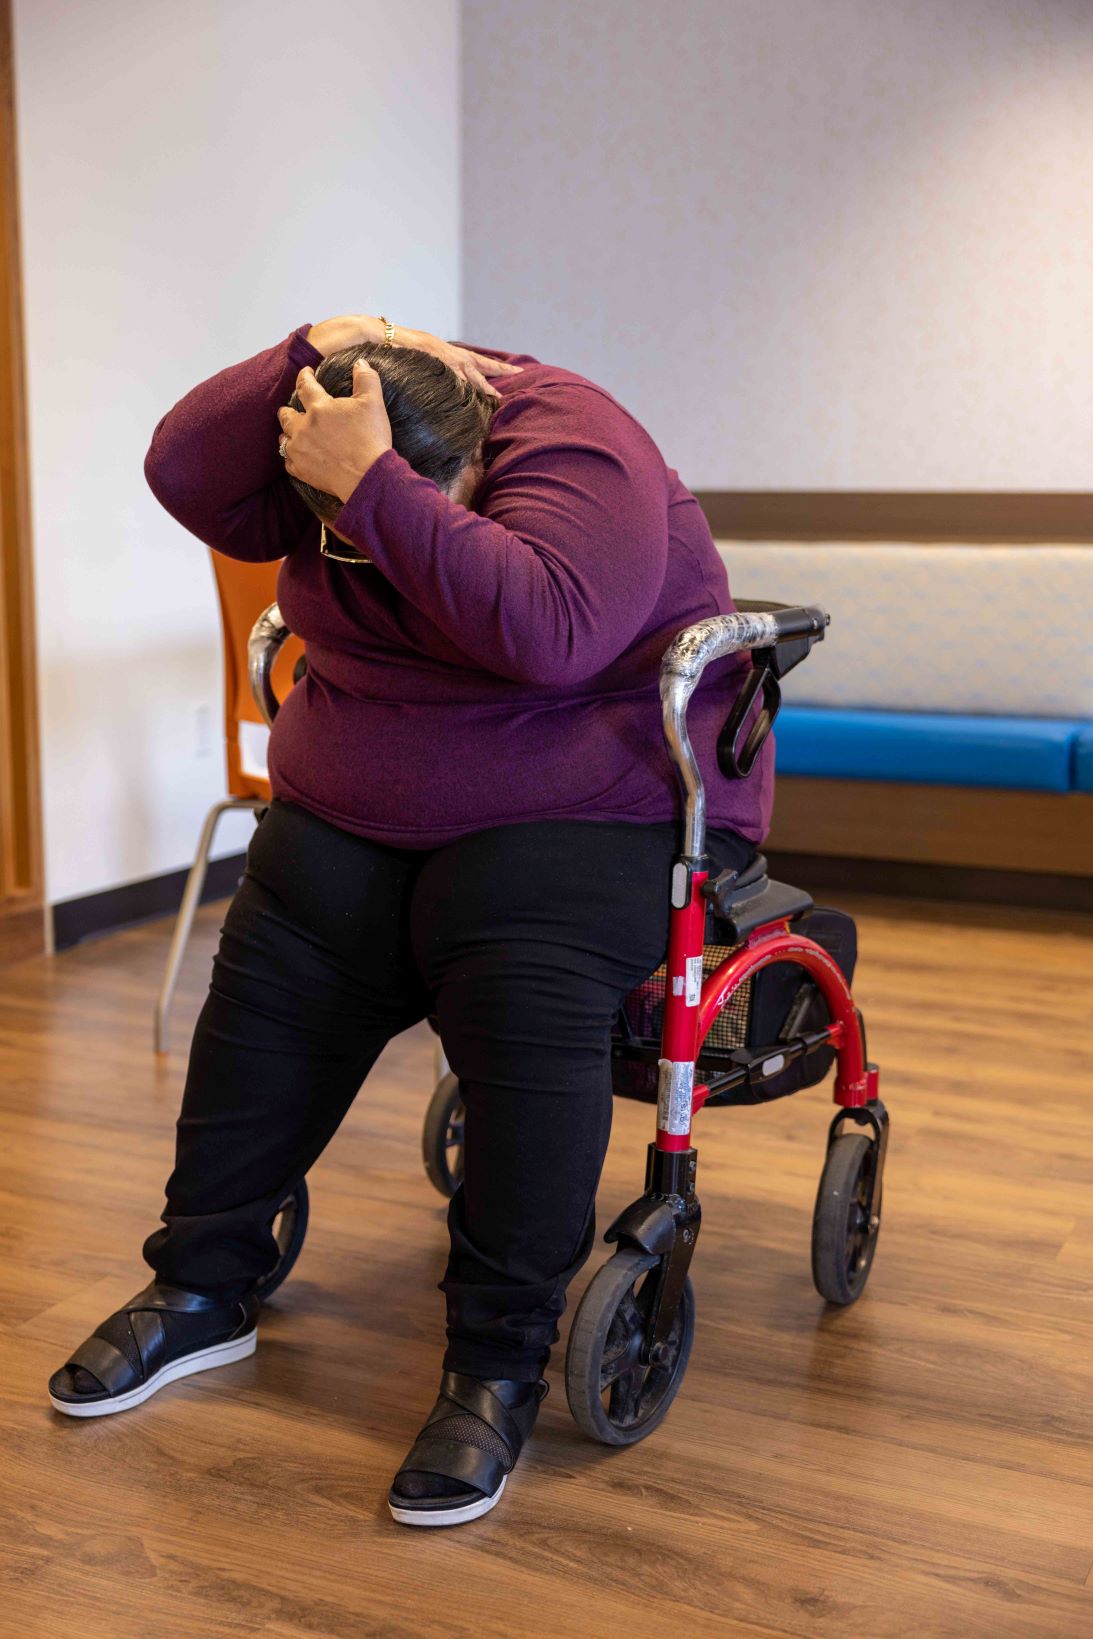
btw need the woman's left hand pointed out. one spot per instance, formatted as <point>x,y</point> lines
<point>331,443</point>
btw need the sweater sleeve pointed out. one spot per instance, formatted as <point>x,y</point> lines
<point>561,566</point>
<point>213,461</point>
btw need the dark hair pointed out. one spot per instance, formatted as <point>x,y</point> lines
<point>437,419</point>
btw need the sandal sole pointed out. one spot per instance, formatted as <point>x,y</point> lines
<point>446,1516</point>
<point>202,1360</point>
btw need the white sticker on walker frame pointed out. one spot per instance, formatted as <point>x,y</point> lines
<point>677,985</point>
<point>694,980</point>
<point>675,1093</point>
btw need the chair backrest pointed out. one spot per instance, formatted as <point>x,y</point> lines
<point>244,590</point>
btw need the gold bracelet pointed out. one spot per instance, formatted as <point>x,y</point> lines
<point>388,332</point>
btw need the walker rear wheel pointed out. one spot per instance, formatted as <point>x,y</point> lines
<point>614,1395</point>
<point>844,1236</point>
<point>442,1136</point>
<point>289,1229</point>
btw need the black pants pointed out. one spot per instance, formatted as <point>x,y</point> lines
<point>523,940</point>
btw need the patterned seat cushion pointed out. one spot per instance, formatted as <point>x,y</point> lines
<point>999,631</point>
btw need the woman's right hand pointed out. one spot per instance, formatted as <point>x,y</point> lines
<point>350,329</point>
<point>472,367</point>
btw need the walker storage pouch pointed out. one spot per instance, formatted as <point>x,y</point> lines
<point>780,1005</point>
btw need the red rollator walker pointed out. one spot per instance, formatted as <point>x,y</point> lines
<point>752,1003</point>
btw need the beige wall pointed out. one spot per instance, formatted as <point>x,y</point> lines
<point>812,244</point>
<point>197,179</point>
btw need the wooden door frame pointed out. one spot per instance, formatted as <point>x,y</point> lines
<point>22,915</point>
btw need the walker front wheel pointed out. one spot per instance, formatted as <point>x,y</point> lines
<point>616,1396</point>
<point>442,1136</point>
<point>844,1235</point>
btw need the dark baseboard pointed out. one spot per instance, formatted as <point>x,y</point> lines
<point>1035,890</point>
<point>97,913</point>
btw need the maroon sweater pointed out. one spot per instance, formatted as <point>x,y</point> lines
<point>490,666</point>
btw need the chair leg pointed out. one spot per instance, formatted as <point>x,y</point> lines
<point>191,898</point>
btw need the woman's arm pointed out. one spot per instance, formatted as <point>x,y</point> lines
<point>562,567</point>
<point>213,461</point>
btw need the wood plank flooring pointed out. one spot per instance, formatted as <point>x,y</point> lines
<point>919,1465</point>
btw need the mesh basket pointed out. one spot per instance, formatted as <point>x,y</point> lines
<point>643,1013</point>
<point>778,1002</point>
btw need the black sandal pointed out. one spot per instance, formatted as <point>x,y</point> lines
<point>458,1465</point>
<point>140,1348</point>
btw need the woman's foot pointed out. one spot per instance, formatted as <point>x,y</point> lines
<point>160,1335</point>
<point>457,1467</point>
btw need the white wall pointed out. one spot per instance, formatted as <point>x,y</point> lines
<point>196,181</point>
<point>812,244</point>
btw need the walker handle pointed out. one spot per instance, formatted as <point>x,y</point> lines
<point>680,673</point>
<point>266,637</point>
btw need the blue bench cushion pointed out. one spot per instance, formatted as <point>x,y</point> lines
<point>1023,753</point>
<point>1083,760</point>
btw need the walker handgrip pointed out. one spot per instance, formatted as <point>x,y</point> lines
<point>720,635</point>
<point>266,637</point>
<point>681,669</point>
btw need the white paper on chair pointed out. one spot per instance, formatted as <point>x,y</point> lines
<point>253,742</point>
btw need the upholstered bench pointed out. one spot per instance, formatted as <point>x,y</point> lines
<point>947,719</point>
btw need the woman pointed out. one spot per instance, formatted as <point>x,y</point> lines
<point>473,816</point>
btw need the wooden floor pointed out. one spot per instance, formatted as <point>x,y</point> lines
<point>919,1465</point>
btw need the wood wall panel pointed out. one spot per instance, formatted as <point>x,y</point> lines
<point>21,889</point>
<point>973,517</point>
<point>1035,831</point>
